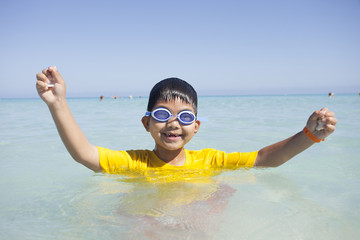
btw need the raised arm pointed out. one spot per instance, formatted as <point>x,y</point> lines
<point>278,153</point>
<point>71,135</point>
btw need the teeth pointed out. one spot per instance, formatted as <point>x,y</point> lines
<point>172,135</point>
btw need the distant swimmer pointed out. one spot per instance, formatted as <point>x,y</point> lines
<point>331,94</point>
<point>101,98</point>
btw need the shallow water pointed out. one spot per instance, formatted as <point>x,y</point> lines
<point>45,194</point>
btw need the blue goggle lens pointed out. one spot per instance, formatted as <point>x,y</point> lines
<point>161,114</point>
<point>185,117</point>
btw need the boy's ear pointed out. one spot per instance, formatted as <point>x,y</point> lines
<point>197,126</point>
<point>146,122</point>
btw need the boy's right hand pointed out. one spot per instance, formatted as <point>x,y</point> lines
<point>50,95</point>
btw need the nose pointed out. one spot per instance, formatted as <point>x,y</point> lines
<point>173,122</point>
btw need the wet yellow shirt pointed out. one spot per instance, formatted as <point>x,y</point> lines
<point>117,161</point>
<point>170,188</point>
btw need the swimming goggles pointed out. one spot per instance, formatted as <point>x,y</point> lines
<point>161,114</point>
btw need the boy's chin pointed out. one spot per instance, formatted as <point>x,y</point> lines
<point>170,147</point>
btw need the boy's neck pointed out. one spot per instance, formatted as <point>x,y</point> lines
<point>175,158</point>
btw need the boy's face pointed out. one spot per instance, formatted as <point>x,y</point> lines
<point>171,135</point>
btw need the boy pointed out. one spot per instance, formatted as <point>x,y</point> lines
<point>171,121</point>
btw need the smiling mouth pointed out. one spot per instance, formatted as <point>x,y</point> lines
<point>170,135</point>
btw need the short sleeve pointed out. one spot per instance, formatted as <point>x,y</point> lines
<point>239,159</point>
<point>219,159</point>
<point>112,161</point>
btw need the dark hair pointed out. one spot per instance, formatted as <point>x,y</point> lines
<point>171,89</point>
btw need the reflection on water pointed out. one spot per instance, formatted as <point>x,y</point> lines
<point>191,206</point>
<point>242,204</point>
<point>190,210</point>
<point>253,204</point>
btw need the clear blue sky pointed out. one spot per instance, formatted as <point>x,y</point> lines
<point>219,46</point>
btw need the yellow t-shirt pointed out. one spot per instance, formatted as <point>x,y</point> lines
<point>115,162</point>
<point>172,187</point>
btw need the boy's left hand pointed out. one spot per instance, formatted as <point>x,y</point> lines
<point>325,116</point>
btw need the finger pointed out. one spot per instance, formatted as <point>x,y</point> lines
<point>323,111</point>
<point>329,114</point>
<point>55,74</point>
<point>329,128</point>
<point>331,120</point>
<point>41,86</point>
<point>48,73</point>
<point>45,72</point>
<point>315,115</point>
<point>41,77</point>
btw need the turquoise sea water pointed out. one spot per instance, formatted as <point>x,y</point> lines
<point>47,195</point>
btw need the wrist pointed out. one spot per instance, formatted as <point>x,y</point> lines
<point>58,104</point>
<point>311,136</point>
